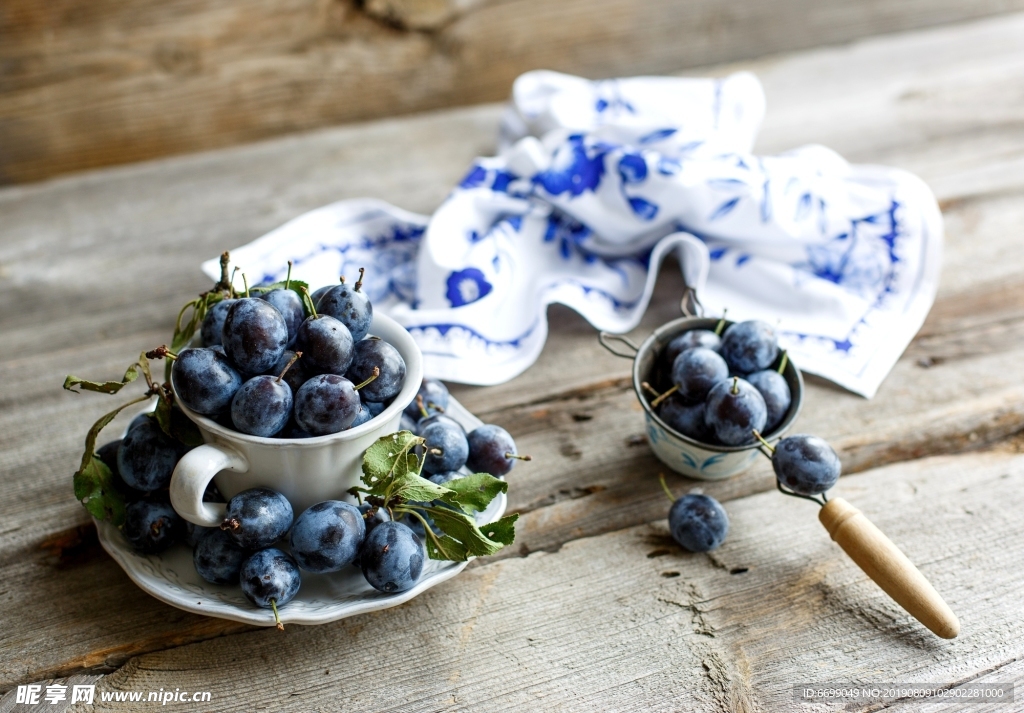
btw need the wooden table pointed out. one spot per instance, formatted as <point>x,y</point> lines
<point>594,608</point>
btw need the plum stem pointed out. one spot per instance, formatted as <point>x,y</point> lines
<point>509,456</point>
<point>161,353</point>
<point>225,261</point>
<point>231,524</point>
<point>664,486</point>
<point>654,404</point>
<point>245,281</point>
<point>341,278</point>
<point>288,366</point>
<point>231,284</point>
<point>784,491</point>
<point>720,327</point>
<point>359,282</point>
<point>426,529</point>
<point>309,302</point>
<point>764,443</point>
<point>735,386</point>
<point>288,278</point>
<point>277,617</point>
<point>436,407</point>
<point>376,373</point>
<point>420,405</point>
<point>436,452</point>
<point>784,362</point>
<point>650,389</point>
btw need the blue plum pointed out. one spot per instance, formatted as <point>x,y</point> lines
<point>327,536</point>
<point>218,558</point>
<point>269,578</point>
<point>147,456</point>
<point>806,464</point>
<point>211,332</point>
<point>319,293</point>
<point>491,450</point>
<point>194,533</point>
<point>749,346</point>
<point>687,419</point>
<point>204,381</point>
<point>437,418</point>
<point>108,454</point>
<point>362,416</point>
<point>690,340</point>
<point>376,408</point>
<point>289,304</point>
<point>142,417</point>
<point>392,557</point>
<point>734,410</point>
<point>446,448</point>
<point>326,404</point>
<point>373,515</point>
<point>776,394</point>
<point>257,518</point>
<point>326,345</point>
<point>698,522</point>
<point>442,478</point>
<point>151,526</point>
<point>374,353</point>
<point>262,406</point>
<point>254,335</point>
<point>696,371</point>
<point>435,399</point>
<point>350,306</point>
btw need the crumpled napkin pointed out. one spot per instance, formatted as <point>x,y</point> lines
<point>596,182</point>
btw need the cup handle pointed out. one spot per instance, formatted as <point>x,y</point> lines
<point>191,476</point>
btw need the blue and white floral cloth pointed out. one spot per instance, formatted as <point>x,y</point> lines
<point>595,183</point>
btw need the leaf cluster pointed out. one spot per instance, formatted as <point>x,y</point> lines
<point>392,478</point>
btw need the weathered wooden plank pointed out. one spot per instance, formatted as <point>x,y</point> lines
<point>88,84</point>
<point>627,621</point>
<point>90,265</point>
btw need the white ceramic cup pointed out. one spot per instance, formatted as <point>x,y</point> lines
<point>304,470</point>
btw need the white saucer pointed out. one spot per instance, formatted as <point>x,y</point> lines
<point>171,577</point>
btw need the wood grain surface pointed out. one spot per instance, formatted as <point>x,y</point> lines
<point>584,613</point>
<point>87,83</point>
<point>627,621</point>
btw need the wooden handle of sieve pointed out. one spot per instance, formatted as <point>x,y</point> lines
<point>888,566</point>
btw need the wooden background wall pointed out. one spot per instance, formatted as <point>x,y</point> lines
<point>88,83</point>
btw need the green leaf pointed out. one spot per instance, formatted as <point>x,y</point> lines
<point>387,459</point>
<point>391,471</point>
<point>163,414</point>
<point>412,488</point>
<point>452,549</point>
<point>463,528</point>
<point>294,285</point>
<point>103,387</point>
<point>475,491</point>
<point>503,530</point>
<point>95,488</point>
